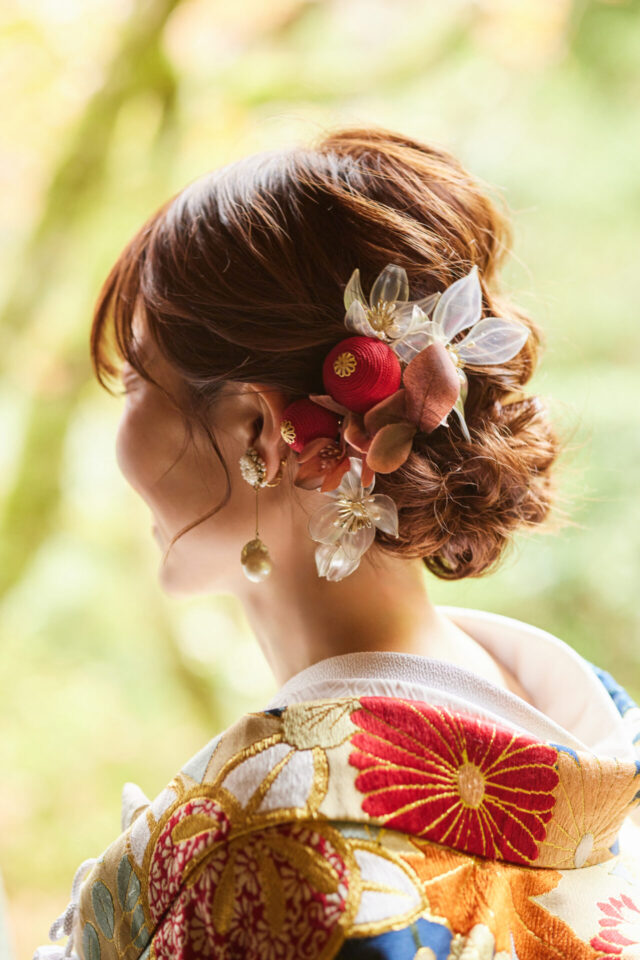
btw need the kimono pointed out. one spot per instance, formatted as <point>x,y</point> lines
<point>386,805</point>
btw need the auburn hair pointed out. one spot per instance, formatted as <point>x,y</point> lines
<point>241,277</point>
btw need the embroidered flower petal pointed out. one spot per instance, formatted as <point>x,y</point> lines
<point>356,321</point>
<point>355,544</point>
<point>454,779</point>
<point>323,526</point>
<point>353,290</point>
<point>460,306</point>
<point>391,284</point>
<point>384,513</point>
<point>332,563</point>
<point>493,340</point>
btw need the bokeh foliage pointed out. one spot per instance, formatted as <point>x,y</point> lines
<point>110,107</point>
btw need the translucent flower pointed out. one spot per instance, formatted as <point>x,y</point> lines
<point>387,314</point>
<point>346,526</point>
<point>492,340</point>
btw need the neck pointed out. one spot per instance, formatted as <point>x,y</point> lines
<point>300,618</point>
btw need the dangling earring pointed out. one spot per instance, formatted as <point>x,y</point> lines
<point>255,558</point>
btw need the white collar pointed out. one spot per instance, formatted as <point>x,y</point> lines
<point>572,706</point>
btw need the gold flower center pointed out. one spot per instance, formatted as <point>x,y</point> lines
<point>328,453</point>
<point>453,353</point>
<point>352,514</point>
<point>288,431</point>
<point>344,364</point>
<point>381,317</point>
<point>471,785</point>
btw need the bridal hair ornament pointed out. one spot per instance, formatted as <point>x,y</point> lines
<point>396,375</point>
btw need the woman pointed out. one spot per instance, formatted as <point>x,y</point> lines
<point>324,396</point>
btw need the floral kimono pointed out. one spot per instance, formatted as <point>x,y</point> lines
<point>386,805</point>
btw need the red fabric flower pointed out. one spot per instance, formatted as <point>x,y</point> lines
<point>322,463</point>
<point>453,779</point>
<point>620,921</point>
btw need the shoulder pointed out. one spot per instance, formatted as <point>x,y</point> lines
<point>223,789</point>
<point>297,819</point>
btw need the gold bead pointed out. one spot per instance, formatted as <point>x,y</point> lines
<point>255,560</point>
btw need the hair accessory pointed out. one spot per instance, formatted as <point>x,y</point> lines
<point>399,373</point>
<point>346,527</point>
<point>254,557</point>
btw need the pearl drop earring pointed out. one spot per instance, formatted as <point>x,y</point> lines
<point>255,559</point>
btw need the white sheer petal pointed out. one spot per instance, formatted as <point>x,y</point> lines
<point>464,386</point>
<point>427,304</point>
<point>353,290</point>
<point>407,347</point>
<point>458,409</point>
<point>384,513</point>
<point>355,544</point>
<point>322,524</point>
<point>391,283</point>
<point>402,319</point>
<point>356,320</point>
<point>332,563</point>
<point>351,483</point>
<point>460,305</point>
<point>493,340</point>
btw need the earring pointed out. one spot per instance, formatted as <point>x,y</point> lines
<point>254,557</point>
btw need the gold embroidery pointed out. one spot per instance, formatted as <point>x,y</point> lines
<point>317,724</point>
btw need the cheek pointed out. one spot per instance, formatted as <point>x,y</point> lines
<point>128,448</point>
<point>145,442</point>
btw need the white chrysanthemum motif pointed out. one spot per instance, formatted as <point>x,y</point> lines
<point>346,527</point>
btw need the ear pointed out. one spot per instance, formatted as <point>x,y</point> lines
<point>268,440</point>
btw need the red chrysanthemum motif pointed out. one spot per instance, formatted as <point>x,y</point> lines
<point>619,926</point>
<point>453,779</point>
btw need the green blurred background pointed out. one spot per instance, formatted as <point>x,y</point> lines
<point>109,106</point>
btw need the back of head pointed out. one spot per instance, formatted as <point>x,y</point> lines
<point>241,277</point>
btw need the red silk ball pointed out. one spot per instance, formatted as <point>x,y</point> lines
<point>303,421</point>
<point>360,372</point>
